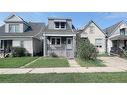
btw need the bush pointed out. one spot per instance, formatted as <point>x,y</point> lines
<point>18,51</point>
<point>53,54</point>
<point>85,49</point>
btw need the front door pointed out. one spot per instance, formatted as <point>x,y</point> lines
<point>69,43</point>
<point>69,48</point>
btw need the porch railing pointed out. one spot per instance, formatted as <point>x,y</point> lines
<point>117,51</point>
<point>4,53</point>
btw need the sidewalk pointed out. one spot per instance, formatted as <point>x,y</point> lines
<point>62,70</point>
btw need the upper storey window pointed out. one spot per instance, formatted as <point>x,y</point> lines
<point>14,28</point>
<point>60,25</point>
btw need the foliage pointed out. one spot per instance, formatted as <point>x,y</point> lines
<point>18,51</point>
<point>86,50</point>
<point>53,54</point>
<point>45,62</point>
<point>15,62</point>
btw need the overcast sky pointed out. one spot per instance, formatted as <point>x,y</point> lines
<point>103,19</point>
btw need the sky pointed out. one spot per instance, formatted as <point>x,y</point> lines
<point>79,19</point>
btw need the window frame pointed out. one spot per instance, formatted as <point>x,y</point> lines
<point>60,25</point>
<point>13,28</point>
<point>55,40</point>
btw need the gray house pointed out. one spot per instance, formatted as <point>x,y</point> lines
<point>18,33</point>
<point>59,38</point>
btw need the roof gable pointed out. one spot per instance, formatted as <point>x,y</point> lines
<point>110,30</point>
<point>13,18</point>
<point>90,22</point>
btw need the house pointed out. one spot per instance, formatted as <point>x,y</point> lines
<point>117,37</point>
<point>18,33</point>
<point>95,35</point>
<point>59,38</point>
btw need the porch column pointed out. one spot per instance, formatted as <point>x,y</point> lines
<point>45,45</point>
<point>74,45</point>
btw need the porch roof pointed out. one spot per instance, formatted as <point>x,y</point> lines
<point>119,37</point>
<point>62,33</point>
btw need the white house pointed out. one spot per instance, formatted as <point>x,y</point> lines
<point>18,33</point>
<point>117,37</point>
<point>95,35</point>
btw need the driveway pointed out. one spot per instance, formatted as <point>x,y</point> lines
<point>114,61</point>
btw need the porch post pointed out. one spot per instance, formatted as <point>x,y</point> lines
<point>74,47</point>
<point>45,45</point>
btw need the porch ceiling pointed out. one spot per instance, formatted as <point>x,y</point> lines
<point>120,37</point>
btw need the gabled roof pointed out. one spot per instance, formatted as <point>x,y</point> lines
<point>13,18</point>
<point>33,29</point>
<point>112,28</point>
<point>87,25</point>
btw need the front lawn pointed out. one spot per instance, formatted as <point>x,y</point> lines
<point>90,63</point>
<point>65,78</point>
<point>49,62</point>
<point>15,62</point>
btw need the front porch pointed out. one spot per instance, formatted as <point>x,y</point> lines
<point>118,46</point>
<point>5,47</point>
<point>59,45</point>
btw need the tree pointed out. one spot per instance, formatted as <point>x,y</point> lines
<point>85,50</point>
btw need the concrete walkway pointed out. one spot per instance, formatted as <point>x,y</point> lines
<point>114,61</point>
<point>61,70</point>
<point>73,63</point>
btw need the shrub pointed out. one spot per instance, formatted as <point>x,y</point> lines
<point>18,51</point>
<point>85,49</point>
<point>53,54</point>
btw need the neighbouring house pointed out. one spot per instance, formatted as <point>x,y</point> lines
<point>117,37</point>
<point>95,35</point>
<point>18,33</point>
<point>59,38</point>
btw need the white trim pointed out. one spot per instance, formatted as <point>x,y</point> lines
<point>60,34</point>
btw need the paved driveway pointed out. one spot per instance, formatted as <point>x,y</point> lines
<point>114,61</point>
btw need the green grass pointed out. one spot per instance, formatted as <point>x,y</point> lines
<point>90,63</point>
<point>66,78</point>
<point>49,62</point>
<point>15,62</point>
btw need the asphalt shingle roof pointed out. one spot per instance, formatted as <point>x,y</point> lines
<point>110,29</point>
<point>33,29</point>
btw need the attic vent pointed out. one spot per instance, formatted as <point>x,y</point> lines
<point>92,28</point>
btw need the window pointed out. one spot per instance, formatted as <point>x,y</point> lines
<point>69,41</point>
<point>123,31</point>
<point>98,43</point>
<point>53,41</point>
<point>56,24</point>
<point>14,28</point>
<point>60,25</point>
<point>92,29</point>
<point>56,41</point>
<point>21,43</point>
